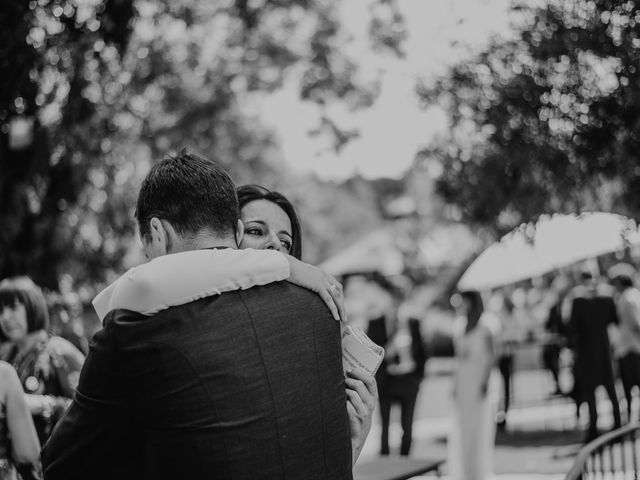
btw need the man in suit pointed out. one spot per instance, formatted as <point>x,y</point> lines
<point>243,385</point>
<point>627,348</point>
<point>592,311</point>
<point>402,370</point>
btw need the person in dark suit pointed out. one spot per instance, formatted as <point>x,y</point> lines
<point>402,370</point>
<point>552,348</point>
<point>592,311</point>
<point>243,385</point>
<point>627,349</point>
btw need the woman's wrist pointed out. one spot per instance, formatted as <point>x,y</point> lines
<point>40,405</point>
<point>48,405</point>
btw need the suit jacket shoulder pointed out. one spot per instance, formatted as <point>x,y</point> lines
<point>252,377</point>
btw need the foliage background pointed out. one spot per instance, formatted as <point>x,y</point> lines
<point>93,91</point>
<point>546,121</point>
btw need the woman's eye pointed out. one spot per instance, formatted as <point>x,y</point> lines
<point>286,244</point>
<point>253,231</point>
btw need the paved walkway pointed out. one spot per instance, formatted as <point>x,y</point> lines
<point>541,441</point>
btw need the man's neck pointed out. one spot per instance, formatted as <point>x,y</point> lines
<point>204,241</point>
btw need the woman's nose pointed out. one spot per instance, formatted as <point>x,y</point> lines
<point>273,243</point>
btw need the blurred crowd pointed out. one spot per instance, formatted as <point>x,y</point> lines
<point>582,320</point>
<point>42,349</point>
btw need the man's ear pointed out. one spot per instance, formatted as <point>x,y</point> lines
<point>160,242</point>
<point>239,232</point>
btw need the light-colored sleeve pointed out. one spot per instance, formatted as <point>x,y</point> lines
<point>103,299</point>
<point>183,277</point>
<point>492,324</point>
<point>629,312</point>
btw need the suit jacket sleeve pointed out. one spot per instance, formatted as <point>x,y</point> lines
<point>83,442</point>
<point>573,324</point>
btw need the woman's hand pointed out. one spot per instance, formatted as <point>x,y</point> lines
<point>362,397</point>
<point>37,404</point>
<point>315,279</point>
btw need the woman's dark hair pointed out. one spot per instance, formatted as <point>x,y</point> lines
<point>476,305</point>
<point>23,290</point>
<point>622,273</point>
<point>625,281</point>
<point>250,193</point>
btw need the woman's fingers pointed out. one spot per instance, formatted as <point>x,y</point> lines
<point>355,421</point>
<point>368,380</point>
<point>363,393</point>
<point>364,387</point>
<point>337,292</point>
<point>361,408</point>
<point>342,311</point>
<point>315,279</point>
<point>329,300</point>
<point>353,415</point>
<point>338,299</point>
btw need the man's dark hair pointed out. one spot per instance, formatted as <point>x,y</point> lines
<point>190,192</point>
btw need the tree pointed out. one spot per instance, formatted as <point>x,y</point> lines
<point>51,132</point>
<point>93,92</point>
<point>546,121</point>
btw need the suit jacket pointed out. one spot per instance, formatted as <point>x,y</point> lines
<point>244,385</point>
<point>590,318</point>
<point>377,332</point>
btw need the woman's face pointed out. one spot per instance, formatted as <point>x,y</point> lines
<point>13,321</point>
<point>266,226</point>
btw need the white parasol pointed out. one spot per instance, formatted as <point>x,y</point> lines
<point>553,242</point>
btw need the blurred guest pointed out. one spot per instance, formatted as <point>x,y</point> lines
<point>511,334</point>
<point>552,346</point>
<point>592,312</point>
<point>627,349</point>
<point>48,366</point>
<point>65,321</point>
<point>402,370</point>
<point>556,333</point>
<point>18,439</point>
<point>475,391</point>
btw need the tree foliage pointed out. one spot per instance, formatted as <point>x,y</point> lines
<point>52,132</point>
<point>93,92</point>
<point>546,121</point>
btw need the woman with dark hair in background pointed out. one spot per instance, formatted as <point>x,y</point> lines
<point>48,366</point>
<point>475,390</point>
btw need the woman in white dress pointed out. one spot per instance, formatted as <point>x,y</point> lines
<point>475,392</point>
